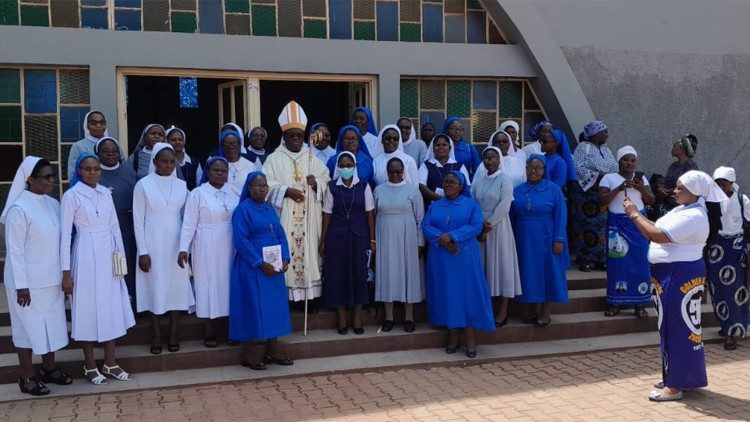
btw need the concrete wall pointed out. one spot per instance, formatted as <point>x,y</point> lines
<point>653,70</point>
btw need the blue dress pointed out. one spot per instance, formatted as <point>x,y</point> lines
<point>539,216</point>
<point>456,289</point>
<point>556,171</point>
<point>467,155</point>
<point>258,307</point>
<point>365,170</point>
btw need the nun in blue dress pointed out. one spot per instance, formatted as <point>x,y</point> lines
<point>350,140</point>
<point>539,215</point>
<point>258,307</point>
<point>464,151</point>
<point>456,289</point>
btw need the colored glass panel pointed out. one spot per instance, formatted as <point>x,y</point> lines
<point>188,92</point>
<point>184,22</point>
<point>387,21</point>
<point>432,22</point>
<point>340,18</point>
<point>476,31</point>
<point>127,20</point>
<point>12,157</point>
<point>74,86</point>
<point>41,136</point>
<point>290,18</point>
<point>40,91</point>
<point>509,94</point>
<point>93,2</point>
<point>455,29</point>
<point>459,98</point>
<point>454,6</point>
<point>9,12</point>
<point>188,5</point>
<point>94,18</point>
<point>71,123</point>
<point>128,3</point>
<point>238,24</point>
<point>315,28</point>
<point>64,154</point>
<point>64,14</point>
<point>364,30</point>
<point>10,86</point>
<point>34,15</point>
<point>411,32</point>
<point>410,11</point>
<point>237,6</point>
<point>409,98</point>
<point>264,21</point>
<point>210,17</point>
<point>483,123</point>
<point>314,8</point>
<point>473,4</point>
<point>432,95</point>
<point>156,15</point>
<point>485,95</point>
<point>363,9</point>
<point>529,101</point>
<point>495,37</point>
<point>10,124</point>
<point>437,118</point>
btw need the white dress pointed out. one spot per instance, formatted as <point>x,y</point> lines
<point>157,215</point>
<point>32,241</point>
<point>379,164</point>
<point>101,305</point>
<point>238,172</point>
<point>373,144</point>
<point>207,235</point>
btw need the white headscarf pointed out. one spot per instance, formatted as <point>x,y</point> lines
<point>380,162</point>
<point>107,138</point>
<point>236,127</point>
<point>511,164</point>
<point>186,156</point>
<point>702,185</point>
<point>355,178</point>
<point>86,130</point>
<point>431,150</point>
<point>500,168</point>
<point>510,123</point>
<point>154,152</point>
<point>627,149</point>
<point>513,151</point>
<point>19,183</point>
<point>412,133</point>
<point>727,173</point>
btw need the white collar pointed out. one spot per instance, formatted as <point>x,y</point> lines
<point>115,167</point>
<point>355,180</point>
<point>401,183</point>
<point>437,163</point>
<point>257,151</point>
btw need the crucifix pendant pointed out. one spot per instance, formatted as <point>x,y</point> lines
<point>448,219</point>
<point>528,206</point>
<point>270,227</point>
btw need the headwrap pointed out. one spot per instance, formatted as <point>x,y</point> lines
<point>702,185</point>
<point>449,121</point>
<point>154,152</point>
<point>465,189</point>
<point>688,143</point>
<point>224,136</point>
<point>209,163</point>
<point>592,128</point>
<point>355,178</point>
<point>728,174</point>
<point>511,123</point>
<point>241,138</point>
<point>86,130</point>
<point>107,138</point>
<point>75,178</point>
<point>539,157</point>
<point>19,183</point>
<point>250,177</point>
<point>412,132</point>
<point>431,149</point>
<point>292,117</point>
<point>370,122</point>
<point>361,144</point>
<point>627,149</point>
<point>536,130</point>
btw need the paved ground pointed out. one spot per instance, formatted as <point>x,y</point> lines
<point>591,386</point>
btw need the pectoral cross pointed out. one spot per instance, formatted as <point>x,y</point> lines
<point>270,228</point>
<point>448,219</point>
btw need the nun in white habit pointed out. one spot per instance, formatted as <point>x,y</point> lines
<point>511,128</point>
<point>100,308</point>
<point>393,146</point>
<point>161,284</point>
<point>36,302</point>
<point>512,166</point>
<point>207,236</point>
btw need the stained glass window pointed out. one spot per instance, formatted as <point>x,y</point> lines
<point>189,92</point>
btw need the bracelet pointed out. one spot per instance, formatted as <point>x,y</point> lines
<point>634,215</point>
<point>372,241</point>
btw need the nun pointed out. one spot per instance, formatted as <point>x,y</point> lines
<point>140,159</point>
<point>230,147</point>
<point>320,142</point>
<point>258,309</point>
<point>36,302</point>
<point>100,309</point>
<point>207,237</point>
<point>440,162</point>
<point>350,140</point>
<point>393,147</point>
<point>120,180</point>
<point>511,128</point>
<point>94,129</point>
<point>255,144</point>
<point>363,120</point>
<point>188,168</point>
<point>415,148</point>
<point>464,151</point>
<point>510,163</point>
<point>161,284</point>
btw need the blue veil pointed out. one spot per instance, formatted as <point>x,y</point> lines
<point>209,162</point>
<point>370,122</point>
<point>75,178</point>
<point>365,170</point>
<point>466,189</point>
<point>250,177</point>
<point>224,135</point>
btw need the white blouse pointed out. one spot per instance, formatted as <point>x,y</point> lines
<point>612,181</point>
<point>687,229</point>
<point>731,219</point>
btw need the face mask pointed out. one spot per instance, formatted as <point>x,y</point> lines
<point>346,172</point>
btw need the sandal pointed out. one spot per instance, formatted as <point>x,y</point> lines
<point>55,376</point>
<point>120,375</point>
<point>285,361</point>
<point>173,347</point>
<point>210,342</point>
<point>254,366</point>
<point>94,376</point>
<point>730,344</point>
<point>641,313</point>
<point>32,386</point>
<point>155,349</point>
<point>612,311</point>
<point>542,323</point>
<point>656,395</point>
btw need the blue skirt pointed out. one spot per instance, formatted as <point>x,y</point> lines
<point>677,291</point>
<point>628,273</point>
<point>728,284</point>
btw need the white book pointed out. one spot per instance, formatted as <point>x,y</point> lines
<point>272,255</point>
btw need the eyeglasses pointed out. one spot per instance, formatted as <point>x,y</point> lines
<point>48,177</point>
<point>390,138</point>
<point>98,123</point>
<point>535,169</point>
<point>451,183</point>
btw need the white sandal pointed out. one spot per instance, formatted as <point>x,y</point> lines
<point>98,379</point>
<point>122,376</point>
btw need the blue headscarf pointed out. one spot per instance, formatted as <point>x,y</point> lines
<point>250,177</point>
<point>370,122</point>
<point>592,128</point>
<point>449,121</point>
<point>537,128</point>
<point>563,148</point>
<point>209,162</point>
<point>539,157</point>
<point>223,137</point>
<point>75,178</point>
<point>465,189</point>
<point>361,144</point>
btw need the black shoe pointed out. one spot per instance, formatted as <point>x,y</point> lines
<point>409,326</point>
<point>471,354</point>
<point>531,319</point>
<point>730,344</point>
<point>450,350</point>
<point>32,386</point>
<point>359,331</point>
<point>55,376</point>
<point>254,366</point>
<point>387,326</point>
<point>502,323</point>
<point>343,331</point>
<point>542,323</point>
<point>641,313</point>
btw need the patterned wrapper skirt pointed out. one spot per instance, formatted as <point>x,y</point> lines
<point>728,283</point>
<point>589,225</point>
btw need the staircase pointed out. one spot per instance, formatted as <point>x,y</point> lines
<point>581,318</point>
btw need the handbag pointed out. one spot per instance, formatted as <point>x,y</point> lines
<point>119,261</point>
